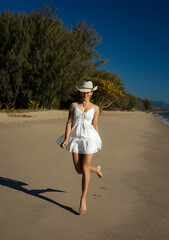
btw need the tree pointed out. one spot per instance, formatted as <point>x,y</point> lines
<point>13,56</point>
<point>107,93</point>
<point>147,104</point>
<point>131,101</point>
<point>108,75</point>
<point>41,60</point>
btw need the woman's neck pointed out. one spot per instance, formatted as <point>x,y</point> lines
<point>85,103</point>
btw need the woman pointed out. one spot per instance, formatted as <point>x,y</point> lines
<point>81,137</point>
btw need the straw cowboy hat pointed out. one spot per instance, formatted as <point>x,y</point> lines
<point>86,86</point>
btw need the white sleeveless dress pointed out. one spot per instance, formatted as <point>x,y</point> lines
<point>83,138</point>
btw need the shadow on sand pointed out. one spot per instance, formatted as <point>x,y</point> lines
<point>18,186</point>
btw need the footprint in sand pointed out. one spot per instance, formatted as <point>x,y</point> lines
<point>104,188</point>
<point>96,196</point>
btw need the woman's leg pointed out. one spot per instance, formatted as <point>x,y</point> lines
<point>77,160</point>
<point>82,166</point>
<point>96,170</point>
<point>87,168</point>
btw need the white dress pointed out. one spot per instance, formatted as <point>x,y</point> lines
<point>83,137</point>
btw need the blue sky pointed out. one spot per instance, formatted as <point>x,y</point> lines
<point>135,38</point>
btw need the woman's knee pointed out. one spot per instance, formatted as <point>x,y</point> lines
<point>86,168</point>
<point>79,170</point>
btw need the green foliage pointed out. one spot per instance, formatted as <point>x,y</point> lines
<point>1,104</point>
<point>131,102</point>
<point>56,103</point>
<point>34,104</point>
<point>108,75</point>
<point>41,59</point>
<point>147,104</point>
<point>8,105</point>
<point>140,105</point>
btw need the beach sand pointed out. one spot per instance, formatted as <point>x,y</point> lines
<point>40,189</point>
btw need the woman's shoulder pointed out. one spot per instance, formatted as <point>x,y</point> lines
<point>73,105</point>
<point>96,108</point>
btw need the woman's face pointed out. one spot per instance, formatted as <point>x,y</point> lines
<point>86,95</point>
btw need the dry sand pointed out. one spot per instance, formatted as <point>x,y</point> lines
<point>30,116</point>
<point>40,190</point>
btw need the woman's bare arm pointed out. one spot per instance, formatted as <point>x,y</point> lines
<point>95,118</point>
<point>68,125</point>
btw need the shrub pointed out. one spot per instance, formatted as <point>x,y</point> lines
<point>147,104</point>
<point>1,104</point>
<point>107,93</point>
<point>56,103</point>
<point>34,104</point>
<point>8,106</point>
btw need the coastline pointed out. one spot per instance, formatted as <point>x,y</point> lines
<point>41,115</point>
<point>163,117</point>
<point>40,190</point>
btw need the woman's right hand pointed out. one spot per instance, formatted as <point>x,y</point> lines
<point>64,144</point>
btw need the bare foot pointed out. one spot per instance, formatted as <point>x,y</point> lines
<point>99,173</point>
<point>82,208</point>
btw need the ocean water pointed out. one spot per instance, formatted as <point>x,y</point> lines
<point>163,117</point>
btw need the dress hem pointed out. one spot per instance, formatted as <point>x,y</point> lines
<point>82,152</point>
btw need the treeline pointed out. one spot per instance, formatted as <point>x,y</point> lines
<point>41,60</point>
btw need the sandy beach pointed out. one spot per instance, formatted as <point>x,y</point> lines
<point>40,190</point>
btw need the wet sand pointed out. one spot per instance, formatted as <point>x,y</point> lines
<point>40,190</point>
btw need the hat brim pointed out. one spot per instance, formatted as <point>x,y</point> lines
<point>86,89</point>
